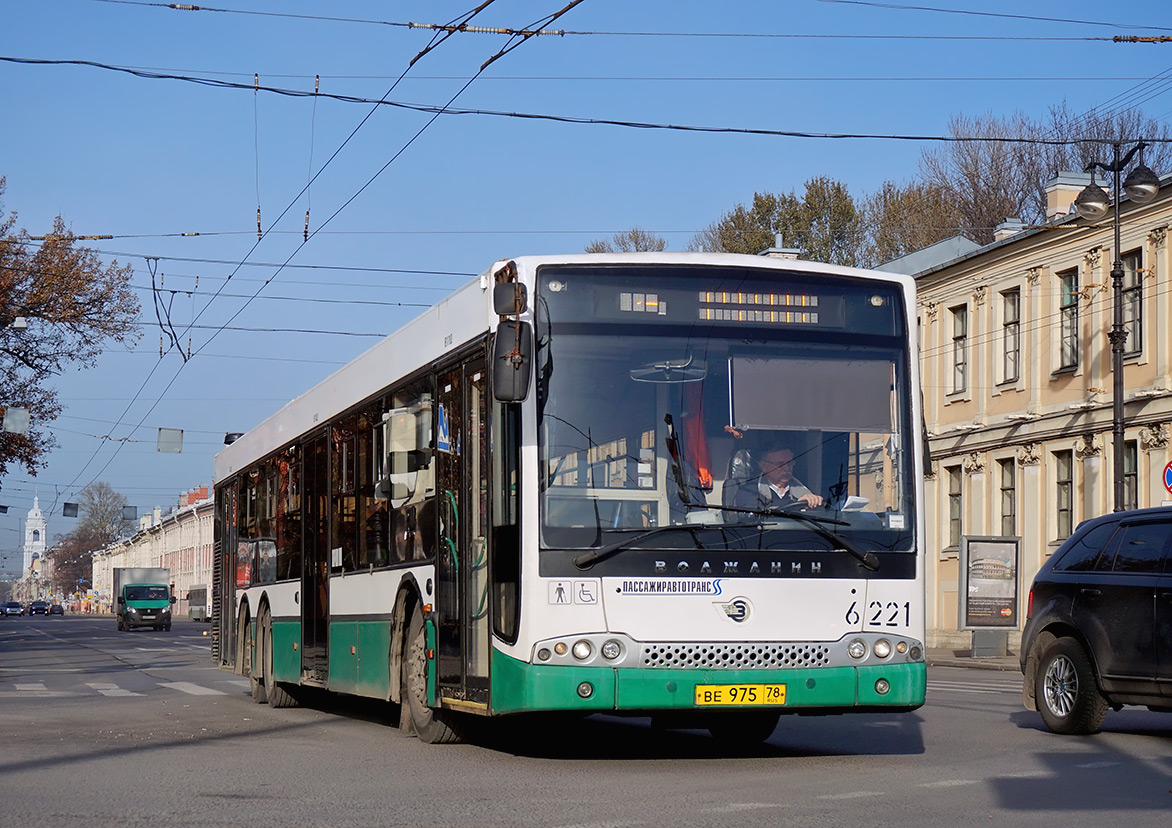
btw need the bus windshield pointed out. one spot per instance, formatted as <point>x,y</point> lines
<point>670,398</point>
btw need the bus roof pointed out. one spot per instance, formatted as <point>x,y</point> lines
<point>456,319</point>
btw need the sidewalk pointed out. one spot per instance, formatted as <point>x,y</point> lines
<point>945,657</point>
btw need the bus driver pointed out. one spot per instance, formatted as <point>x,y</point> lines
<point>777,488</point>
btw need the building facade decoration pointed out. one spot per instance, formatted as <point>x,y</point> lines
<point>1088,445</point>
<point>974,463</point>
<point>1154,437</point>
<point>1029,454</point>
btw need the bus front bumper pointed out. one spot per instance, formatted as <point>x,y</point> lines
<point>520,687</point>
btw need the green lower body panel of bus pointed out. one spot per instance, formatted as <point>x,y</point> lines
<point>286,655</point>
<point>518,687</point>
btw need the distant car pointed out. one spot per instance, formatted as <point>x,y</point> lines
<point>38,608</point>
<point>1098,632</point>
<point>12,608</point>
<point>56,609</point>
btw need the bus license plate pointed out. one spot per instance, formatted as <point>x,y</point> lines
<point>739,694</point>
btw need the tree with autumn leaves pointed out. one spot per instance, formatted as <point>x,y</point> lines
<point>74,305</point>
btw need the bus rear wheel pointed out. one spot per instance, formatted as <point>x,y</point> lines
<point>278,693</point>
<point>245,648</point>
<point>431,726</point>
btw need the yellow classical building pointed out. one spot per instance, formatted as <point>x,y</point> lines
<point>1017,373</point>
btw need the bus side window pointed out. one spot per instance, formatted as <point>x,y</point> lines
<point>408,487</point>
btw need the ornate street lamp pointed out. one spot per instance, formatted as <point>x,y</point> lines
<point>1141,185</point>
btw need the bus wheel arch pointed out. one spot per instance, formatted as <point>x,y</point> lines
<point>243,641</point>
<point>276,693</point>
<point>405,602</point>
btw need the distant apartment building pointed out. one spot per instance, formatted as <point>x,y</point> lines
<point>1017,382</point>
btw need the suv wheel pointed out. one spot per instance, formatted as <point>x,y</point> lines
<point>1067,696</point>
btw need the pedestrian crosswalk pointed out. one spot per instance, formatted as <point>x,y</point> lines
<point>39,689</point>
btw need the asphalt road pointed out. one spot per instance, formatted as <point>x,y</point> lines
<point>133,729</point>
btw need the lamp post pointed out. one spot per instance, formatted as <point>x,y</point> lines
<point>1141,185</point>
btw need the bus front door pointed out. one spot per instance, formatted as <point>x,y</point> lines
<point>315,565</point>
<point>462,478</point>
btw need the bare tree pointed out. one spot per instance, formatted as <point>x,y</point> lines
<point>1000,166</point>
<point>100,524</point>
<point>634,240</point>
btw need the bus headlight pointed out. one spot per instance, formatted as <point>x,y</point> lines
<point>857,648</point>
<point>882,648</point>
<point>582,650</point>
<point>611,650</point>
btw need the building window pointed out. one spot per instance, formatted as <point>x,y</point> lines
<point>1064,491</point>
<point>1068,315</point>
<point>960,348</point>
<point>1133,301</point>
<point>1008,497</point>
<point>1011,334</point>
<point>955,505</point>
<point>1130,475</point>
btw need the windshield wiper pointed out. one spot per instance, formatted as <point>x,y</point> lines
<point>588,559</point>
<point>868,559</point>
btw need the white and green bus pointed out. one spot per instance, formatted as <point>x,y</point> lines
<point>552,491</point>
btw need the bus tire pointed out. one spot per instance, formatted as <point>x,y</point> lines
<point>255,682</point>
<point>743,728</point>
<point>278,693</point>
<point>431,726</point>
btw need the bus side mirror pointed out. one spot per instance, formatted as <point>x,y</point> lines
<point>172,599</point>
<point>509,298</point>
<point>512,361</point>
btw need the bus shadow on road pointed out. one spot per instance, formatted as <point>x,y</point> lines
<point>605,737</point>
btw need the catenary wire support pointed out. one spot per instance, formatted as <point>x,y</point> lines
<point>256,145</point>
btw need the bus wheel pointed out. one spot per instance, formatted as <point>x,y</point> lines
<point>278,694</point>
<point>743,728</point>
<point>431,726</point>
<point>247,665</point>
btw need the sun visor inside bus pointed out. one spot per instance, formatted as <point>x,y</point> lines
<point>835,395</point>
<point>512,361</point>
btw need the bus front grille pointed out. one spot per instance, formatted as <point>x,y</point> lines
<point>739,656</point>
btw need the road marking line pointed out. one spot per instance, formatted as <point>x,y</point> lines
<point>38,687</point>
<point>744,806</point>
<point>948,783</point>
<point>851,795</point>
<point>108,689</point>
<point>1099,765</point>
<point>191,689</point>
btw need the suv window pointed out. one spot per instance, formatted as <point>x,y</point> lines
<point>1085,550</point>
<point>1139,547</point>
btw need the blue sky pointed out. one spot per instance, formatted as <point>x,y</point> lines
<point>148,159</point>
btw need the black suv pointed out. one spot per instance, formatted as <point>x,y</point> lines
<point>38,608</point>
<point>1098,630</point>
